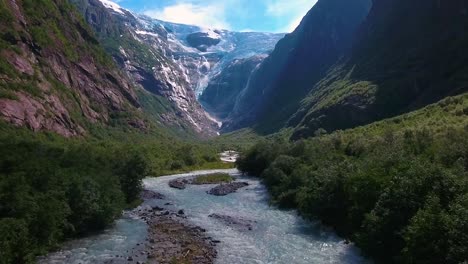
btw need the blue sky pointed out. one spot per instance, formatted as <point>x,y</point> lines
<point>238,15</point>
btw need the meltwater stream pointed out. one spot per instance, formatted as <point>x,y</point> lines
<point>277,237</point>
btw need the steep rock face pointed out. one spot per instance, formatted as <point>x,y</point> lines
<point>142,51</point>
<point>158,56</point>
<point>223,90</point>
<point>54,76</point>
<point>299,60</point>
<point>409,54</point>
<point>201,66</point>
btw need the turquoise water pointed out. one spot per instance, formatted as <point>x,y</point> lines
<point>102,248</point>
<point>277,237</point>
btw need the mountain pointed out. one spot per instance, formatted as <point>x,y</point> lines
<point>400,63</point>
<point>220,96</point>
<point>164,87</point>
<point>299,60</point>
<point>193,47</point>
<point>173,61</point>
<point>54,75</point>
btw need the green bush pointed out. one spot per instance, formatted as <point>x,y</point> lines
<point>50,191</point>
<point>398,189</point>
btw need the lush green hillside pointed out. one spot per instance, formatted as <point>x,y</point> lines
<point>400,63</point>
<point>398,188</point>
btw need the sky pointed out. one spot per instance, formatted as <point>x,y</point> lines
<point>237,15</point>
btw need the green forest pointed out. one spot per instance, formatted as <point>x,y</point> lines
<point>397,188</point>
<point>53,189</point>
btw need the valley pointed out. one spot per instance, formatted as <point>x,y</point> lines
<point>126,138</point>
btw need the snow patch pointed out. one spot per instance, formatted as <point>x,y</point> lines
<point>211,34</point>
<point>142,32</point>
<point>122,51</point>
<point>111,5</point>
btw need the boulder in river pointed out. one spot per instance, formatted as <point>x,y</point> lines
<point>225,189</point>
<point>149,195</point>
<point>235,222</point>
<point>178,183</point>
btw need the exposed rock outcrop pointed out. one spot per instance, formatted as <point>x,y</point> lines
<point>57,79</point>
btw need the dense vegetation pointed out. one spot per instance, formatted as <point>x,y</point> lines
<point>398,188</point>
<point>53,189</point>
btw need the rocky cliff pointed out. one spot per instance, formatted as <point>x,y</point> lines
<point>143,52</point>
<point>299,60</point>
<point>54,75</point>
<point>173,61</point>
<point>408,54</point>
<point>223,90</point>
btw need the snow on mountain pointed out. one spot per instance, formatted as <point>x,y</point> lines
<point>113,6</point>
<point>174,60</point>
<point>203,62</point>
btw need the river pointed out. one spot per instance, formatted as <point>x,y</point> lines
<point>277,236</point>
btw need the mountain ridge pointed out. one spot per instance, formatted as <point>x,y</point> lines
<point>185,70</point>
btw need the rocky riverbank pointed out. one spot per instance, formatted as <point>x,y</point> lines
<point>171,238</point>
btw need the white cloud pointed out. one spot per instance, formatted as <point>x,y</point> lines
<point>292,25</point>
<point>288,7</point>
<point>207,16</point>
<point>293,11</point>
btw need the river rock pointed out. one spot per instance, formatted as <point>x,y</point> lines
<point>157,208</point>
<point>225,189</point>
<point>235,222</point>
<point>149,195</point>
<point>178,183</point>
